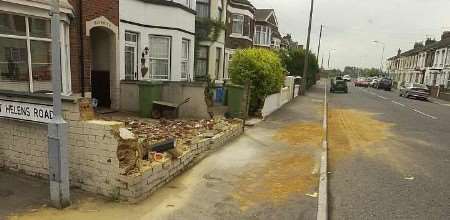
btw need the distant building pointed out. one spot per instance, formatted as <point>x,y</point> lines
<point>240,29</point>
<point>266,29</point>
<point>427,63</point>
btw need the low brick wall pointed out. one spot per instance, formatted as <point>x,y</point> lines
<point>136,188</point>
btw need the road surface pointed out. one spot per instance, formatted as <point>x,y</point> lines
<point>389,157</point>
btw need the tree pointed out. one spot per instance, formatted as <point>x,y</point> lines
<point>263,68</point>
<point>294,59</point>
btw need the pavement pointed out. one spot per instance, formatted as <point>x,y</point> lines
<point>270,172</point>
<point>389,156</point>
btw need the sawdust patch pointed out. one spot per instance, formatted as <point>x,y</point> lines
<point>285,175</point>
<point>300,133</point>
<point>352,130</point>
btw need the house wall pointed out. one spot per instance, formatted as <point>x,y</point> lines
<point>178,92</point>
<point>219,43</point>
<point>153,19</point>
<point>91,144</point>
<point>89,10</point>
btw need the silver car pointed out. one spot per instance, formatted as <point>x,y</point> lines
<point>415,90</point>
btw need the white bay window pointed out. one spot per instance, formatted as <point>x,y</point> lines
<point>159,57</point>
<point>237,24</point>
<point>263,35</point>
<point>25,54</point>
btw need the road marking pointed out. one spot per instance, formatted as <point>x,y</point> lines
<point>430,116</point>
<point>398,103</point>
<point>401,104</point>
<point>415,110</point>
<point>379,96</point>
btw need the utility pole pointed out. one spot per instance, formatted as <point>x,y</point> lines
<point>58,163</point>
<point>320,39</point>
<point>305,69</point>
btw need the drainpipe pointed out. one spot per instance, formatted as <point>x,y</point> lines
<point>81,49</point>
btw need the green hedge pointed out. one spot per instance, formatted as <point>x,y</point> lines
<point>263,68</point>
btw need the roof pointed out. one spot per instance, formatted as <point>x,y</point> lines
<point>244,2</point>
<point>263,14</point>
<point>440,44</point>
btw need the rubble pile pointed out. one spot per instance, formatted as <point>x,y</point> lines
<point>135,158</point>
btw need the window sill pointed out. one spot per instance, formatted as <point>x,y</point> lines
<point>240,36</point>
<point>12,94</point>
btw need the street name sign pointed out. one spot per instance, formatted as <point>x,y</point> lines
<point>26,111</point>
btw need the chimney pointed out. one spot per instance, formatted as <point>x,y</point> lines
<point>399,52</point>
<point>445,35</point>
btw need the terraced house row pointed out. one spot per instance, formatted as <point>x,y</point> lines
<point>427,63</point>
<point>109,45</point>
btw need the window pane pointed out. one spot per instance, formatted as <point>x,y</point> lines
<point>159,47</point>
<point>202,10</point>
<point>41,66</point>
<point>12,24</point>
<point>129,63</point>
<point>14,65</point>
<point>238,24</point>
<point>160,69</point>
<point>184,69</point>
<point>39,28</point>
<point>185,49</point>
<point>218,56</point>
<point>201,68</point>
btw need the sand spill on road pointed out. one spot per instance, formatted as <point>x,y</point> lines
<point>287,172</point>
<point>352,130</point>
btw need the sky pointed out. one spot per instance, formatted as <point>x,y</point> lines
<point>351,26</point>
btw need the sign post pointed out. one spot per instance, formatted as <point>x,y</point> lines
<point>58,163</point>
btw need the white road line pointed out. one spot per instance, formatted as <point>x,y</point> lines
<point>398,103</point>
<point>415,110</point>
<point>379,96</point>
<point>430,116</point>
<point>401,104</point>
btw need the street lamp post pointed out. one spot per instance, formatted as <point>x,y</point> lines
<point>58,163</point>
<point>382,53</point>
<point>305,68</point>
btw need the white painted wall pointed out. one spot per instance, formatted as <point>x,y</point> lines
<point>164,20</point>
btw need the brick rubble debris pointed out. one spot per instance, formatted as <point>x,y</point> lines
<point>134,154</point>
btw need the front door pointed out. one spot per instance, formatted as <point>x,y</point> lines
<point>101,88</point>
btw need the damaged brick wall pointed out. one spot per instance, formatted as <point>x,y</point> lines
<point>139,186</point>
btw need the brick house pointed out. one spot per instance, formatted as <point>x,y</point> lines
<point>240,28</point>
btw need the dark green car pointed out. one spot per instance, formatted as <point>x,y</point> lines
<point>338,84</point>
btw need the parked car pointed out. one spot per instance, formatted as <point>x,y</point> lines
<point>338,84</point>
<point>362,82</point>
<point>385,84</point>
<point>347,78</point>
<point>374,83</point>
<point>415,90</point>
